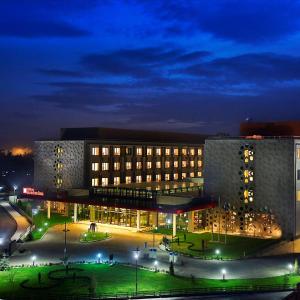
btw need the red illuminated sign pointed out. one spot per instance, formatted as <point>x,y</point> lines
<point>32,192</point>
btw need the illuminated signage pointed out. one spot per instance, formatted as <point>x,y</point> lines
<point>32,192</point>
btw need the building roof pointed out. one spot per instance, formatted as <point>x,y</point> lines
<point>117,134</point>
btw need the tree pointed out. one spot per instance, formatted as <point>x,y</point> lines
<point>4,264</point>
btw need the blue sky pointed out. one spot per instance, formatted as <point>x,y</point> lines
<point>194,66</point>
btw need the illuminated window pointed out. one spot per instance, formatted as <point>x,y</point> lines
<point>138,179</point>
<point>59,166</point>
<point>117,151</point>
<point>175,151</point>
<point>192,174</point>
<point>192,151</point>
<point>175,163</point>
<point>128,165</point>
<point>149,178</point>
<point>167,164</point>
<point>199,163</point>
<point>128,151</point>
<point>138,165</point>
<point>105,166</point>
<point>139,151</point>
<point>158,177</point>
<point>128,179</point>
<point>158,151</point>
<point>116,166</point>
<point>149,164</point>
<point>58,150</point>
<point>105,151</point>
<point>149,151</point>
<point>95,166</point>
<point>183,175</point>
<point>95,151</point>
<point>158,164</point>
<point>58,182</point>
<point>184,151</point>
<point>192,164</point>
<point>199,174</point>
<point>104,181</point>
<point>175,176</point>
<point>298,153</point>
<point>248,155</point>
<point>298,196</point>
<point>183,163</point>
<point>95,181</point>
<point>168,151</point>
<point>167,177</point>
<point>199,151</point>
<point>116,180</point>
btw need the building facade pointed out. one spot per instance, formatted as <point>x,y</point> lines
<point>257,182</point>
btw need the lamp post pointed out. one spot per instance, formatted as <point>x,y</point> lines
<point>154,228</point>
<point>136,257</point>
<point>223,271</point>
<point>65,248</point>
<point>217,252</point>
<point>99,257</point>
<point>33,258</point>
<point>15,189</point>
<point>155,265</point>
<point>290,268</point>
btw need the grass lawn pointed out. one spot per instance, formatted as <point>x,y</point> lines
<point>94,236</point>
<point>235,247</point>
<point>114,279</point>
<point>42,223</point>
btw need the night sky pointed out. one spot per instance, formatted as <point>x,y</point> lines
<point>192,66</point>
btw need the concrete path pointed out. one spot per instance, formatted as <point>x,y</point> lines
<point>21,221</point>
<point>8,227</point>
<point>124,242</point>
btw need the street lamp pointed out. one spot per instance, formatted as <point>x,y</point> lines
<point>33,258</point>
<point>217,252</point>
<point>155,265</point>
<point>46,224</point>
<point>290,267</point>
<point>15,189</point>
<point>99,257</point>
<point>223,271</point>
<point>136,257</point>
<point>154,228</point>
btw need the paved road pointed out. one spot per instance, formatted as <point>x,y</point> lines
<point>8,226</point>
<point>122,244</point>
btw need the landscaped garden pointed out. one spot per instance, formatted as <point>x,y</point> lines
<point>94,236</point>
<point>202,245</point>
<point>99,279</point>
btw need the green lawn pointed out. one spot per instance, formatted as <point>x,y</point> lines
<point>94,236</point>
<point>42,223</point>
<point>114,279</point>
<point>235,247</point>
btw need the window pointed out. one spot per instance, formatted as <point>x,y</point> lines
<point>95,181</point>
<point>175,176</point>
<point>167,164</point>
<point>117,151</point>
<point>199,163</point>
<point>95,166</point>
<point>158,165</point>
<point>149,178</point>
<point>105,151</point>
<point>168,151</point>
<point>158,151</point>
<point>138,179</point>
<point>139,151</point>
<point>184,151</point>
<point>128,165</point>
<point>183,163</point>
<point>199,174</point>
<point>175,163</point>
<point>149,151</point>
<point>59,166</point>
<point>95,151</point>
<point>149,165</point>
<point>192,151</point>
<point>116,180</point>
<point>175,151</point>
<point>192,174</point>
<point>167,177</point>
<point>199,151</point>
<point>158,177</point>
<point>105,166</point>
<point>138,165</point>
<point>116,166</point>
<point>192,164</point>
<point>298,153</point>
<point>104,181</point>
<point>128,179</point>
<point>128,151</point>
<point>183,175</point>
<point>298,196</point>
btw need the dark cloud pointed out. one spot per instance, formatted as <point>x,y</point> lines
<point>247,21</point>
<point>60,73</point>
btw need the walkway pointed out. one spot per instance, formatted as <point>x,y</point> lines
<point>8,227</point>
<point>122,244</point>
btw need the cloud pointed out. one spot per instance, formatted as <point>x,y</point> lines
<point>60,72</point>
